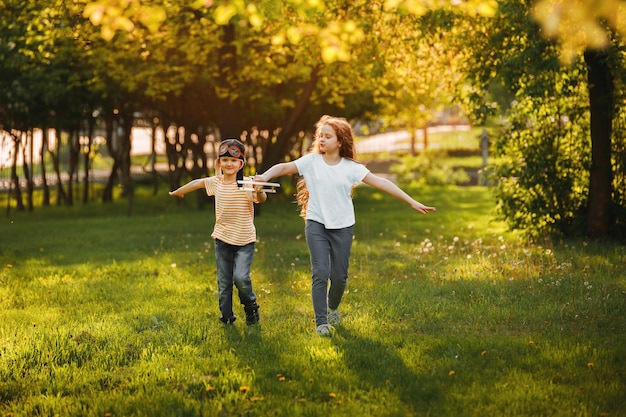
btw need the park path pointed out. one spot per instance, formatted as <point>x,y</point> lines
<point>401,140</point>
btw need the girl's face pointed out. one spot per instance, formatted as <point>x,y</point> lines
<point>327,140</point>
<point>230,166</point>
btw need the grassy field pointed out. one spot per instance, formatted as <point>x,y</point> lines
<point>448,314</point>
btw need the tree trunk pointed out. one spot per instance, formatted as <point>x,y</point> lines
<point>87,160</point>
<point>153,157</point>
<point>275,152</point>
<point>601,102</point>
<point>56,163</point>
<point>74,153</point>
<point>128,189</point>
<point>229,118</point>
<point>111,138</point>
<point>27,167</point>
<point>15,179</point>
<point>45,142</point>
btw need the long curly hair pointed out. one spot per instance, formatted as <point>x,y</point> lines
<point>345,136</point>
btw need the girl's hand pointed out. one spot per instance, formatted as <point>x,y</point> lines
<point>422,208</point>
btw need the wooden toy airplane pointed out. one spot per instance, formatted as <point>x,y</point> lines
<point>268,187</point>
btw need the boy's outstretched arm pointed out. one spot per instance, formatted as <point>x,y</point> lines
<point>190,186</point>
<point>392,189</point>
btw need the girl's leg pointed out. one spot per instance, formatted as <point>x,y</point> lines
<point>225,260</point>
<point>319,250</point>
<point>341,244</point>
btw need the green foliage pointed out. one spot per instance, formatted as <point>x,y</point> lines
<point>543,161</point>
<point>446,314</point>
<point>428,168</point>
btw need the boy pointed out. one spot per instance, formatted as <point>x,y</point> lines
<point>234,232</point>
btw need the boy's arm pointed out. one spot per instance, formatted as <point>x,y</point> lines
<point>259,195</point>
<point>190,186</point>
<point>392,189</point>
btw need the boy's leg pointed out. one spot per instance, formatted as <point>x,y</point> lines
<point>319,249</point>
<point>243,282</point>
<point>224,261</point>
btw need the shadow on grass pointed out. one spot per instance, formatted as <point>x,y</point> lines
<point>378,366</point>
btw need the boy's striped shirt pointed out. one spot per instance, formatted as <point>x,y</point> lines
<point>234,212</point>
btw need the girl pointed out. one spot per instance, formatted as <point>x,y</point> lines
<point>329,173</point>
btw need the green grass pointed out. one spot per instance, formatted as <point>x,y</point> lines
<point>445,315</point>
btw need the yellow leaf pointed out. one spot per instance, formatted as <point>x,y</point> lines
<point>94,12</point>
<point>329,54</point>
<point>223,14</point>
<point>152,17</point>
<point>107,33</point>
<point>294,35</point>
<point>278,39</point>
<point>487,8</point>
<point>256,20</point>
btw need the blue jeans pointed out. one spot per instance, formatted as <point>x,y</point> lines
<point>233,268</point>
<point>330,255</point>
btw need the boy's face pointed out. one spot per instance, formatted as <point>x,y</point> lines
<point>229,165</point>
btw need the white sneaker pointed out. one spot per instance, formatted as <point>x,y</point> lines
<point>334,317</point>
<point>324,329</point>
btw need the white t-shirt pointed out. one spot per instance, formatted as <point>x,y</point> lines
<point>330,186</point>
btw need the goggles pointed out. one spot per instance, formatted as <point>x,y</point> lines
<point>232,150</point>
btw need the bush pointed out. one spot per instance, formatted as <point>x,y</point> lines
<point>428,168</point>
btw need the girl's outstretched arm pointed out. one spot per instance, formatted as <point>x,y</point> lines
<point>277,170</point>
<point>190,186</point>
<point>392,189</point>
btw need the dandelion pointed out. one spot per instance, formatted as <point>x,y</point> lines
<point>451,373</point>
<point>9,266</point>
<point>281,379</point>
<point>483,353</point>
<point>209,388</point>
<point>590,365</point>
<point>244,388</point>
<point>332,395</point>
<point>173,265</point>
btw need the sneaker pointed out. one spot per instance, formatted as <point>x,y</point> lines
<point>229,320</point>
<point>334,317</point>
<point>324,329</point>
<point>252,314</point>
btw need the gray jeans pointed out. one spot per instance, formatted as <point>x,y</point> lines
<point>330,255</point>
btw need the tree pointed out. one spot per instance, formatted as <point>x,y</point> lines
<point>539,190</point>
